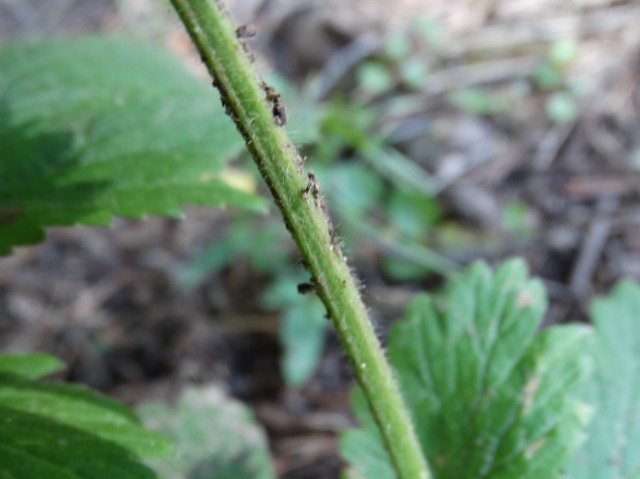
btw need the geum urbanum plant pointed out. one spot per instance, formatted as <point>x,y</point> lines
<point>94,128</point>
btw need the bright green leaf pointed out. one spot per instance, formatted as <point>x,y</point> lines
<point>29,366</point>
<point>216,438</point>
<point>91,128</point>
<point>613,436</point>
<point>489,395</point>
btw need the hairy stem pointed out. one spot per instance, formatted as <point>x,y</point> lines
<point>256,110</point>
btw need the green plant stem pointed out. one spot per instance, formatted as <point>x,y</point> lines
<point>244,96</point>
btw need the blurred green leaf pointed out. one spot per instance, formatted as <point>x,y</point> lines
<point>430,31</point>
<point>613,435</point>
<point>547,77</point>
<point>374,78</point>
<point>413,213</point>
<point>216,437</point>
<point>476,101</point>
<point>490,396</point>
<point>355,187</point>
<point>29,366</point>
<point>302,332</point>
<point>516,218</point>
<point>402,269</point>
<point>414,73</point>
<point>397,46</point>
<point>564,52</point>
<point>242,240</point>
<point>562,107</point>
<point>91,128</point>
<point>302,327</point>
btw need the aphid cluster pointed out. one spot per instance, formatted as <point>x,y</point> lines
<point>277,108</point>
<point>245,31</point>
<point>313,189</point>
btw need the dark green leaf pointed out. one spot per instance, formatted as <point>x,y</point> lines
<point>93,128</point>
<point>81,409</point>
<point>490,397</point>
<point>56,431</point>
<point>613,436</point>
<point>32,446</point>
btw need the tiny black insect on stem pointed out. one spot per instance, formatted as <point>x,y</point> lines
<point>306,288</point>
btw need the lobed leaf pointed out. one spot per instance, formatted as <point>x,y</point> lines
<point>613,441</point>
<point>489,395</point>
<point>94,128</point>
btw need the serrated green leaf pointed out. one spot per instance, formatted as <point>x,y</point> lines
<point>83,410</point>
<point>93,128</point>
<point>613,435</point>
<point>216,438</point>
<point>33,446</point>
<point>57,431</point>
<point>490,397</point>
<point>29,366</point>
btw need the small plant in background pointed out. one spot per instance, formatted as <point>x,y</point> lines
<point>302,324</point>
<point>562,104</point>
